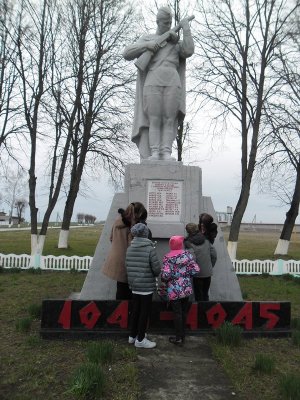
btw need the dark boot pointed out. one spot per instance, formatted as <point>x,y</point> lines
<point>175,340</point>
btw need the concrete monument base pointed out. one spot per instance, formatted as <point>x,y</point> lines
<point>172,194</point>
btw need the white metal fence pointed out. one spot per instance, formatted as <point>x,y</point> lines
<point>56,263</point>
<point>64,263</point>
<point>257,267</point>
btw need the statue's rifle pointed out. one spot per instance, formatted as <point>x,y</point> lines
<point>144,59</point>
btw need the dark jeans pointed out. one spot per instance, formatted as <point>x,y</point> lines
<point>180,309</point>
<point>201,288</point>
<point>123,291</point>
<point>141,311</point>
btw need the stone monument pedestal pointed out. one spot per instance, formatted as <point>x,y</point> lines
<point>172,194</point>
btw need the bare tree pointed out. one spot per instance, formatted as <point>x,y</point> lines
<point>10,110</point>
<point>37,53</point>
<point>20,206</point>
<point>291,215</point>
<point>73,94</point>
<point>238,42</point>
<point>89,219</point>
<point>80,218</point>
<point>291,146</point>
<point>14,188</point>
<point>280,168</point>
<point>280,156</point>
<point>95,102</point>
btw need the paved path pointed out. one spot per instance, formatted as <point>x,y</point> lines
<point>182,373</point>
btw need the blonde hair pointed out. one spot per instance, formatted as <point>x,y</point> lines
<point>191,228</point>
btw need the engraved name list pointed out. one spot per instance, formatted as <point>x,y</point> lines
<point>164,200</point>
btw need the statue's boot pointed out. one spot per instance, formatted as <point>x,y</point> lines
<point>166,146</point>
<point>167,157</point>
<point>154,156</point>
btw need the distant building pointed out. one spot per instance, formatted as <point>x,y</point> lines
<point>225,217</point>
<point>4,219</point>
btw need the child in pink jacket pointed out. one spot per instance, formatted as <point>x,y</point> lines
<point>177,271</point>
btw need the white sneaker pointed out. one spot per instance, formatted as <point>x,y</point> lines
<point>131,339</point>
<point>145,343</point>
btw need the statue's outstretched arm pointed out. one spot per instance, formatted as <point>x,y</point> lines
<point>135,50</point>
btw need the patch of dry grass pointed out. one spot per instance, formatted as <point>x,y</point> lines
<point>32,368</point>
<point>239,362</point>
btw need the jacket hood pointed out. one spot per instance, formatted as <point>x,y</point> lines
<point>141,242</point>
<point>140,230</point>
<point>176,245</point>
<point>197,239</point>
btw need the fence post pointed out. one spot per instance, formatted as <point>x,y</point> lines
<point>279,267</point>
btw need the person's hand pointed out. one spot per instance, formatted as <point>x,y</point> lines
<point>173,36</point>
<point>185,23</point>
<point>152,46</point>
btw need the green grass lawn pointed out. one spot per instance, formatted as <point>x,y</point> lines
<point>82,241</point>
<point>32,368</point>
<point>261,246</point>
<point>238,362</point>
<point>264,288</point>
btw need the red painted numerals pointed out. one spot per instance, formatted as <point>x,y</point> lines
<point>90,314</point>
<point>244,317</point>
<point>266,312</point>
<point>248,315</point>
<point>192,317</point>
<point>216,315</point>
<point>65,315</point>
<point>119,315</point>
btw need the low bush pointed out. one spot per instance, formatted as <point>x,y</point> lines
<point>88,381</point>
<point>229,335</point>
<point>100,352</point>
<point>264,364</point>
<point>34,341</point>
<point>24,324</point>
<point>296,338</point>
<point>295,323</point>
<point>290,387</point>
<point>35,310</point>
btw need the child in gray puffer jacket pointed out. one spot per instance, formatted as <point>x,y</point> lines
<point>205,255</point>
<point>142,267</point>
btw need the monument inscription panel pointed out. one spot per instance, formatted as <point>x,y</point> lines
<point>164,198</point>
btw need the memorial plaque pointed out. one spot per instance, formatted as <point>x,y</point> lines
<point>164,200</point>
